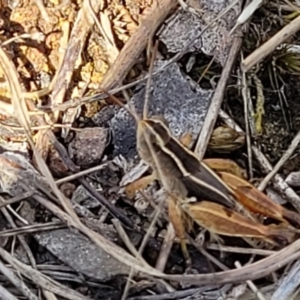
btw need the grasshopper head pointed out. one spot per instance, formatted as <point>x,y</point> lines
<point>154,130</point>
<point>151,133</point>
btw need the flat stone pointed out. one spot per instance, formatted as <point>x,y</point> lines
<point>78,252</point>
<point>186,26</point>
<point>172,96</point>
<point>88,146</point>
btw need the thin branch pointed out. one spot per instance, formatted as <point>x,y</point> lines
<point>268,47</point>
<point>284,158</point>
<point>251,285</point>
<point>212,113</point>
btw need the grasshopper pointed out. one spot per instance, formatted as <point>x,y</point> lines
<point>185,177</point>
<point>197,193</point>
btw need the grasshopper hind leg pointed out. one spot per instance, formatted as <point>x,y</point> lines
<point>178,219</point>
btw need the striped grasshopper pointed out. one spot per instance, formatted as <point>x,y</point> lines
<point>220,195</point>
<point>219,202</point>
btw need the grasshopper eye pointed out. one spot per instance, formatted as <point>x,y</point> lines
<point>145,135</point>
<point>161,133</point>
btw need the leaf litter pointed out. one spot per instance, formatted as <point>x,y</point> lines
<point>82,41</point>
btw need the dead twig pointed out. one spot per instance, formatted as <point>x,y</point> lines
<point>126,240</point>
<point>5,294</point>
<point>21,238</point>
<point>157,212</point>
<point>246,98</point>
<point>212,113</point>
<point>284,158</point>
<point>126,59</point>
<point>82,173</point>
<point>289,284</point>
<point>16,199</point>
<point>251,285</point>
<point>279,182</point>
<point>17,282</point>
<point>268,47</point>
<point>165,248</point>
<point>106,32</point>
<point>21,111</point>
<point>207,255</point>
<point>32,229</point>
<point>254,271</point>
<point>177,294</point>
<point>81,29</point>
<point>240,250</point>
<point>43,11</point>
<point>40,279</point>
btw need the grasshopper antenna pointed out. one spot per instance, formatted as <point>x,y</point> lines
<point>146,104</point>
<point>130,108</point>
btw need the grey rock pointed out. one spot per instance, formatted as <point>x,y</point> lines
<point>88,146</point>
<point>186,26</point>
<point>103,117</point>
<point>78,252</point>
<point>172,96</point>
<point>82,197</point>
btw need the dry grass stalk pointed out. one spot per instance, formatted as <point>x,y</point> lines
<point>216,101</point>
<point>268,47</point>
